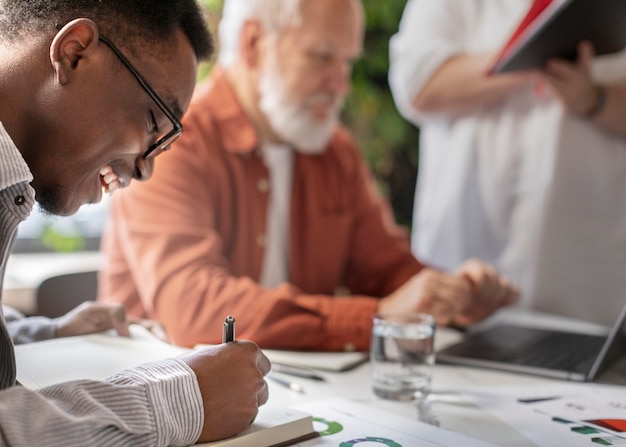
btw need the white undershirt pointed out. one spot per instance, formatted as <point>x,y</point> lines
<point>279,162</point>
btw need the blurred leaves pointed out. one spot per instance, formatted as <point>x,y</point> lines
<point>389,143</point>
<point>59,241</point>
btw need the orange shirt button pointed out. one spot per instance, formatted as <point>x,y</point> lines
<point>349,347</point>
<point>261,240</point>
<point>263,185</point>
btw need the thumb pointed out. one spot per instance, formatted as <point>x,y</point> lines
<point>586,53</point>
<point>119,322</point>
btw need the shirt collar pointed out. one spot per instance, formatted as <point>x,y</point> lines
<point>13,168</point>
<point>236,130</point>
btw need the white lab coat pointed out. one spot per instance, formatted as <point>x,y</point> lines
<point>524,185</point>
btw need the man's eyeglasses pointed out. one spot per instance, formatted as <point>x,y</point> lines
<point>164,142</point>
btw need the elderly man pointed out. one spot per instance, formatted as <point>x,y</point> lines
<point>265,208</point>
<point>91,92</point>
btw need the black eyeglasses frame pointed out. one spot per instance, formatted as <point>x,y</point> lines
<point>163,143</point>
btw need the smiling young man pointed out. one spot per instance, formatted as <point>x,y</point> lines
<point>265,207</point>
<point>90,93</point>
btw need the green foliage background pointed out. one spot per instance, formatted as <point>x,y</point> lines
<point>388,142</point>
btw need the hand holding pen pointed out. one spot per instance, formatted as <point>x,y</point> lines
<point>227,376</point>
<point>228,335</point>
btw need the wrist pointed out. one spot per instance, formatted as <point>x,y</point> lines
<point>598,104</point>
<point>56,326</point>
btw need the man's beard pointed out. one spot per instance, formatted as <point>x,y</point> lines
<point>49,201</point>
<point>293,121</point>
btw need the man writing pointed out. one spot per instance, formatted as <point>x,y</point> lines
<point>266,208</point>
<point>79,114</point>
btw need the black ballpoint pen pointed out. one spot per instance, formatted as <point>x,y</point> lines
<point>296,371</point>
<point>286,383</point>
<point>228,333</point>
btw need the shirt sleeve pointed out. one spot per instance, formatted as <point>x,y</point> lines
<point>430,33</point>
<point>380,257</point>
<point>27,329</point>
<point>187,286</point>
<point>156,404</point>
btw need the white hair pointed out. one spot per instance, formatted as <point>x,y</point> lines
<point>274,15</point>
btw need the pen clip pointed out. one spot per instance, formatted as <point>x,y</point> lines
<point>228,332</point>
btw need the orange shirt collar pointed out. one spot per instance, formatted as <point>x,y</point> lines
<point>237,131</point>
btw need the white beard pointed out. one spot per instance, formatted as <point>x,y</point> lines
<point>294,122</point>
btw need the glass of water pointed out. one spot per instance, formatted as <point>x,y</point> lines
<point>402,355</point>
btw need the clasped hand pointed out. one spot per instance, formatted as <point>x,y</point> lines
<point>461,298</point>
<point>90,317</point>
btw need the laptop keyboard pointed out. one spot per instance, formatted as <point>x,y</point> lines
<point>539,348</point>
<point>567,352</point>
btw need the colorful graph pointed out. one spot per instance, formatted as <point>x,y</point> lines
<point>609,440</point>
<point>602,437</point>
<point>383,441</point>
<point>618,425</point>
<point>344,423</point>
<point>332,427</point>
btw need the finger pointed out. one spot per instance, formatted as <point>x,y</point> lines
<point>263,394</point>
<point>483,279</point>
<point>484,283</point>
<point>504,296</point>
<point>443,312</point>
<point>512,294</point>
<point>159,332</point>
<point>449,299</point>
<point>154,327</point>
<point>473,269</point>
<point>585,55</point>
<point>117,316</point>
<point>507,293</point>
<point>489,285</point>
<point>493,290</point>
<point>560,70</point>
<point>264,364</point>
<point>444,300</point>
<point>452,285</point>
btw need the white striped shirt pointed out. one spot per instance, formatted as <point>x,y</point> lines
<point>157,404</point>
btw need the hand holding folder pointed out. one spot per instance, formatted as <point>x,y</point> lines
<point>554,28</point>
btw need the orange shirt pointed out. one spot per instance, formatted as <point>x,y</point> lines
<point>186,247</point>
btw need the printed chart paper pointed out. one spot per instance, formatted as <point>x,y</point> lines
<point>557,416</point>
<point>343,423</point>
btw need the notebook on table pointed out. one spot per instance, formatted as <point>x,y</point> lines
<point>326,361</point>
<point>545,352</point>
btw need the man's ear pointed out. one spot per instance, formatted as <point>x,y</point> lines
<point>251,43</point>
<point>74,41</point>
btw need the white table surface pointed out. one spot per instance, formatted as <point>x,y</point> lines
<point>446,408</point>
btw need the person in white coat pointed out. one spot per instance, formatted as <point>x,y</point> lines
<point>525,170</point>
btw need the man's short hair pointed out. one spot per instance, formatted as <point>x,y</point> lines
<point>274,15</point>
<point>125,21</point>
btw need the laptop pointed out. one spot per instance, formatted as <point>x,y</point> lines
<point>540,351</point>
